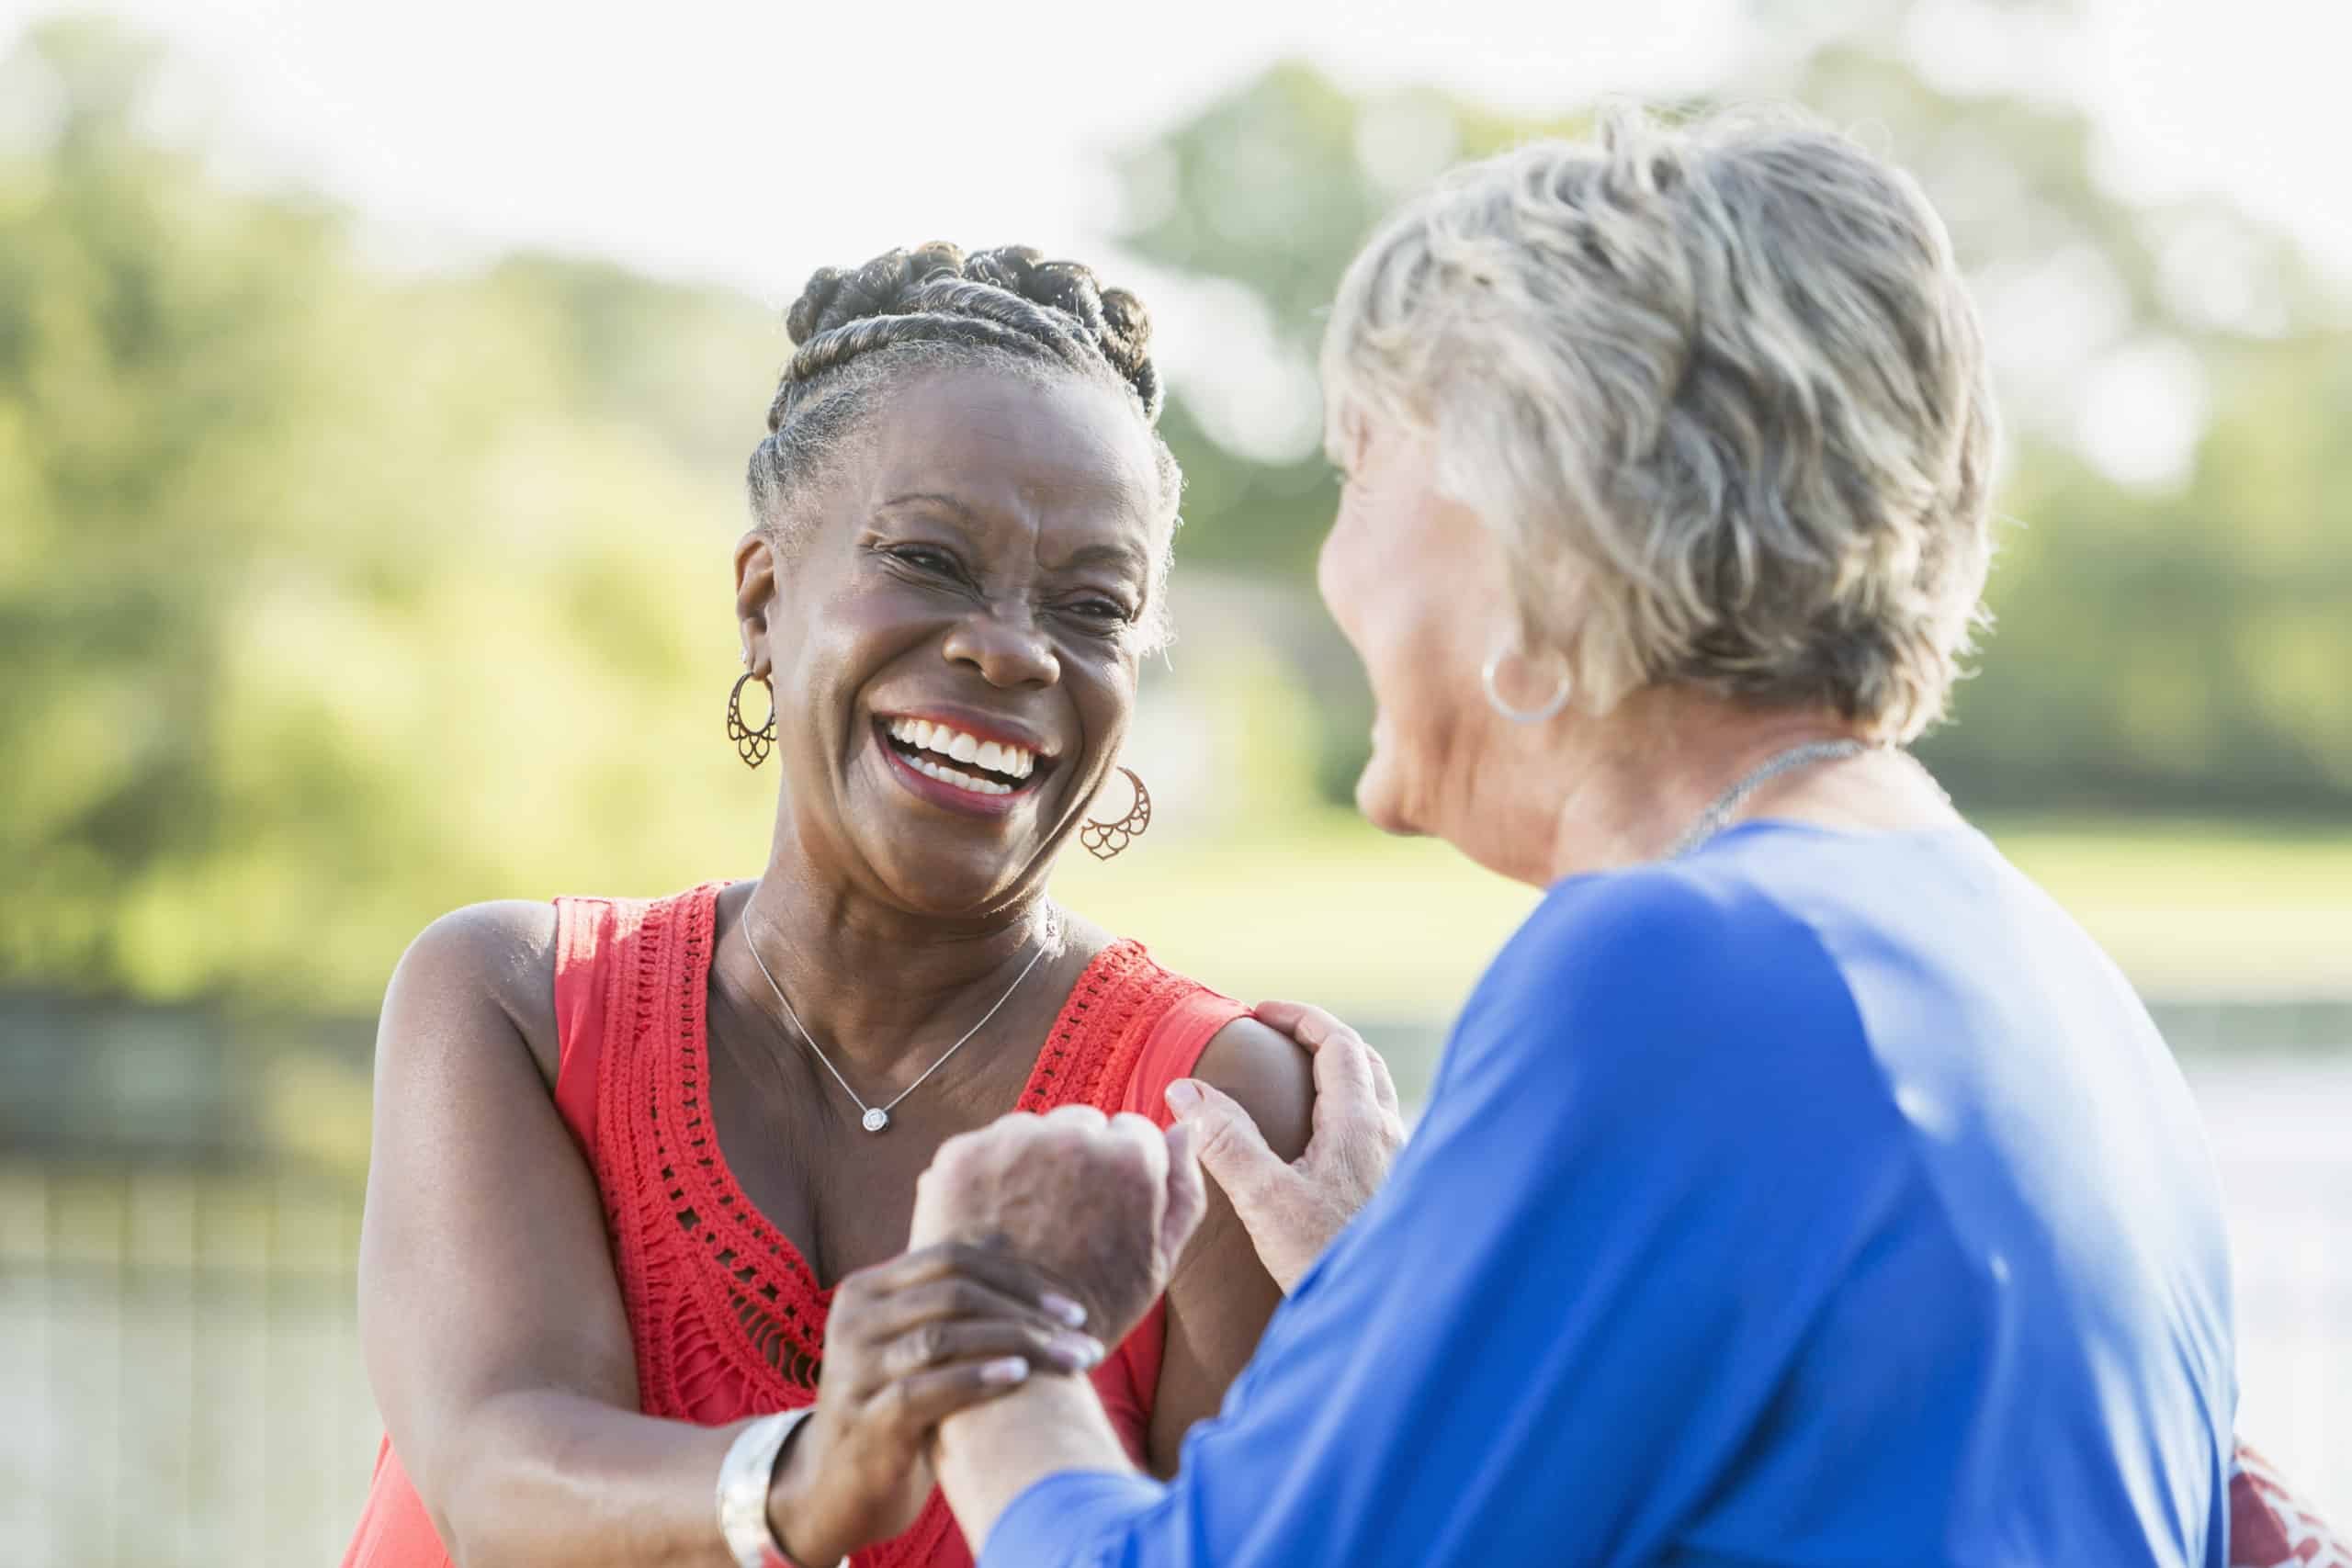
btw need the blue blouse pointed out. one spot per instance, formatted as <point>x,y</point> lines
<point>1821,1198</point>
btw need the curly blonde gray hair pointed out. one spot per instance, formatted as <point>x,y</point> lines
<point>1720,388</point>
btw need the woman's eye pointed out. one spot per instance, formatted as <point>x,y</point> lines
<point>1104,612</point>
<point>923,558</point>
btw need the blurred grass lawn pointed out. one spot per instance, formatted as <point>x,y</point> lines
<point>1327,909</point>
<point>1393,932</point>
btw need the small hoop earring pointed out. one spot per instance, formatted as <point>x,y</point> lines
<point>1549,709</point>
<point>751,745</point>
<point>1103,839</point>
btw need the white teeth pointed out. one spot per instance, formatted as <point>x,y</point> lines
<point>997,756</point>
<point>932,769</point>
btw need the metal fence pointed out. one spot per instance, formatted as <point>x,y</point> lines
<point>179,1369</point>
<point>180,1384</point>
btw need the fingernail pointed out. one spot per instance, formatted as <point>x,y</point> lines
<point>1082,1349</point>
<point>1184,1097</point>
<point>1013,1368</point>
<point>1069,1311</point>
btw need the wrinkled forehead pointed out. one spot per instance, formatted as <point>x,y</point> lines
<point>1057,451</point>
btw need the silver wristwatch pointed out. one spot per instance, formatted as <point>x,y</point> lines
<point>744,1477</point>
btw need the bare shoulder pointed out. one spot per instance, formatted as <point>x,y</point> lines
<point>499,954</point>
<point>1269,1076</point>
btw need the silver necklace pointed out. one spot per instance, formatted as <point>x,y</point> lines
<point>875,1118</point>
<point>1712,821</point>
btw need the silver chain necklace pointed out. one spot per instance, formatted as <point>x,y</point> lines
<point>1712,821</point>
<point>875,1118</point>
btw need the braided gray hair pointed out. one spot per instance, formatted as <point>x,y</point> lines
<point>906,313</point>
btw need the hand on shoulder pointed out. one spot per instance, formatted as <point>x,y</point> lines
<point>1297,1142</point>
<point>1267,1075</point>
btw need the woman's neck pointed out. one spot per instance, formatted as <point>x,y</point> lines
<point>1640,779</point>
<point>883,990</point>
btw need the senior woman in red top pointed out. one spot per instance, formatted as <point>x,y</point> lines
<point>642,1167</point>
<point>1800,1186</point>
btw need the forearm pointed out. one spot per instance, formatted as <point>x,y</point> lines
<point>988,1456</point>
<point>548,1477</point>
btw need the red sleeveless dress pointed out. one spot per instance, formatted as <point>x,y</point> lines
<point>728,1318</point>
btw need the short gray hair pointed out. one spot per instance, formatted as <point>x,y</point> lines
<point>1721,391</point>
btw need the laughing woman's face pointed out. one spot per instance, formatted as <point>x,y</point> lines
<point>1413,579</point>
<point>952,637</point>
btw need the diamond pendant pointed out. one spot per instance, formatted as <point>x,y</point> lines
<point>876,1119</point>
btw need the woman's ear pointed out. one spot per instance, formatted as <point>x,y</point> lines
<point>756,580</point>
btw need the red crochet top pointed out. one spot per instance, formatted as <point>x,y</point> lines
<point>727,1317</point>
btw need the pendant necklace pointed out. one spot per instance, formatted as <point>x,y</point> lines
<point>876,1117</point>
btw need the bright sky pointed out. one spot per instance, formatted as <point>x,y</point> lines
<point>746,143</point>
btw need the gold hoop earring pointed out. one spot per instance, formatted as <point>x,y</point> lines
<point>1105,839</point>
<point>751,745</point>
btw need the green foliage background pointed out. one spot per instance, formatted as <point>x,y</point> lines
<point>331,597</point>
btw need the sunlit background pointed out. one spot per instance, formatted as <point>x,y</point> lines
<point>375,385</point>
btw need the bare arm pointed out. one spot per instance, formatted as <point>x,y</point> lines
<point>1221,1296</point>
<point>493,1330</point>
<point>489,1316</point>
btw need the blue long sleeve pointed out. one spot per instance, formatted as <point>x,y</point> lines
<point>1686,1266</point>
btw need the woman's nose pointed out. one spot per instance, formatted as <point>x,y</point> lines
<point>1006,647</point>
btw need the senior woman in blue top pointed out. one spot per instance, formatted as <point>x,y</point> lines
<point>1800,1186</point>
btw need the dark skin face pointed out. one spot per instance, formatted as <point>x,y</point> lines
<point>979,554</point>
<point>982,556</point>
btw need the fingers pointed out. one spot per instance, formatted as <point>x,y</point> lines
<point>886,1316</point>
<point>975,1340</point>
<point>1229,1148</point>
<point>989,1268</point>
<point>920,1403</point>
<point>1384,1088</point>
<point>1345,1068</point>
<point>1188,1194</point>
<point>1303,1022</point>
<point>1347,1090</point>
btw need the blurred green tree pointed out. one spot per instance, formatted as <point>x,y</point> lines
<point>320,591</point>
<point>2177,641</point>
<point>325,591</point>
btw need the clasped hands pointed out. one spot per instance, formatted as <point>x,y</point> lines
<point>1038,1242</point>
<point>1102,1206</point>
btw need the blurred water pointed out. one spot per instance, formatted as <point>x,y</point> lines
<point>180,1380</point>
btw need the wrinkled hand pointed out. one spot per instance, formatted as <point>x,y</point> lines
<point>909,1343</point>
<point>1100,1205</point>
<point>1294,1210</point>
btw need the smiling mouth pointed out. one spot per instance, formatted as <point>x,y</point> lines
<point>961,760</point>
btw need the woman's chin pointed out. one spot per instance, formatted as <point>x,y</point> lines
<point>1379,797</point>
<point>949,887</point>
